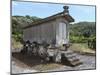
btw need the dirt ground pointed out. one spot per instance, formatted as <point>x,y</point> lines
<point>31,64</point>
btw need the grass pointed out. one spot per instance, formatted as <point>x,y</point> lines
<point>81,47</point>
<point>16,44</point>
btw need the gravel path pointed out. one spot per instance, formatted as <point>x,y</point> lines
<point>88,63</point>
<point>20,67</point>
<point>16,68</point>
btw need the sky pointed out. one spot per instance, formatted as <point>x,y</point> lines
<point>78,12</point>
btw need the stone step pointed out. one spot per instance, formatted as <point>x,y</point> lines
<point>69,52</point>
<point>74,63</point>
<point>71,55</point>
<point>72,58</point>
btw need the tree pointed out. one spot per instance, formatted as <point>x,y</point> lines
<point>18,22</point>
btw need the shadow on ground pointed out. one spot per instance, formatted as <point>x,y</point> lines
<point>33,60</point>
<point>28,60</point>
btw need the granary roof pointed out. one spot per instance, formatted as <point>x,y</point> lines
<point>64,14</point>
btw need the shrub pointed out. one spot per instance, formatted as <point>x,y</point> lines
<point>78,39</point>
<point>92,42</point>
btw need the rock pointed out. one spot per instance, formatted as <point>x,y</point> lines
<point>57,56</point>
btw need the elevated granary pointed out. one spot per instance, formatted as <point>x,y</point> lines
<point>51,29</point>
<point>54,32</point>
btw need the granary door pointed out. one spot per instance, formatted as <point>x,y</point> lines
<point>62,34</point>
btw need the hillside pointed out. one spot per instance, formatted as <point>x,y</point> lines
<point>20,21</point>
<point>81,31</point>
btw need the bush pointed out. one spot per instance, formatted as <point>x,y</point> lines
<point>78,39</point>
<point>17,37</point>
<point>92,42</point>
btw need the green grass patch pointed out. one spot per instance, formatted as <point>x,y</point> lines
<point>81,47</point>
<point>16,44</point>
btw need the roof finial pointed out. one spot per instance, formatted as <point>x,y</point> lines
<point>66,9</point>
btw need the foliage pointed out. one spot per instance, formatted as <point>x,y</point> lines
<point>78,39</point>
<point>18,22</point>
<point>92,42</point>
<point>80,32</point>
<point>83,32</point>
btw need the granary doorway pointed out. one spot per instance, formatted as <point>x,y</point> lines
<point>62,33</point>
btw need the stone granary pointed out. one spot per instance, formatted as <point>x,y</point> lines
<point>53,30</point>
